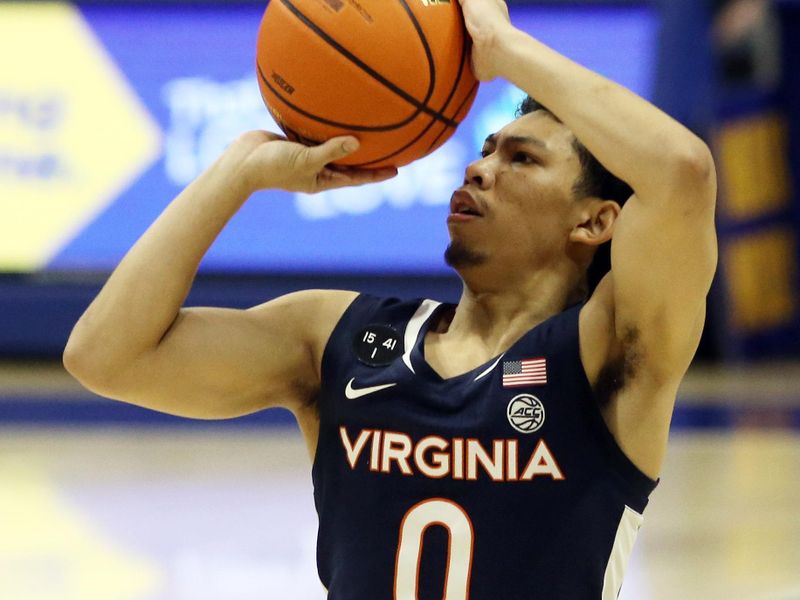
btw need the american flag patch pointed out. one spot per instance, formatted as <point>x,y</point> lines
<point>529,371</point>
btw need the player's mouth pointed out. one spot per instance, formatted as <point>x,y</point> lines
<point>463,208</point>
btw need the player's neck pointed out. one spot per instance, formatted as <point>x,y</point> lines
<point>502,314</point>
<point>487,323</point>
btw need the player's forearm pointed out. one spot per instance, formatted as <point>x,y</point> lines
<point>632,138</point>
<point>144,294</point>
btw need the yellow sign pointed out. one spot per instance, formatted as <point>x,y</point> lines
<point>762,271</point>
<point>754,166</point>
<point>73,134</point>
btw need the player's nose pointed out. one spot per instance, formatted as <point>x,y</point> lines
<point>480,174</point>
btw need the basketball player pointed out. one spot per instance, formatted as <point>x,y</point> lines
<point>502,448</point>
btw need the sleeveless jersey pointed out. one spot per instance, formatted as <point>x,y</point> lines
<point>500,483</point>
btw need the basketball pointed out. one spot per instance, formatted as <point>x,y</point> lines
<point>394,73</point>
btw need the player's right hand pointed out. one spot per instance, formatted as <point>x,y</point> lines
<point>488,23</point>
<point>269,161</point>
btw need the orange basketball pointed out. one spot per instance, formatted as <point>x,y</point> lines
<point>394,73</point>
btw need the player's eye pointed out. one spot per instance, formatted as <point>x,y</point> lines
<point>522,157</point>
<point>485,152</point>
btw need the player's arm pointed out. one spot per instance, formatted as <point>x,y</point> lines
<point>664,249</point>
<point>657,156</point>
<point>664,245</point>
<point>135,343</point>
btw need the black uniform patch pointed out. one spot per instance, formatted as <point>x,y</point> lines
<point>377,345</point>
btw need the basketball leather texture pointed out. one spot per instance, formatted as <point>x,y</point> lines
<point>394,73</point>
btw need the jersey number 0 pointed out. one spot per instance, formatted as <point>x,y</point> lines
<point>448,514</point>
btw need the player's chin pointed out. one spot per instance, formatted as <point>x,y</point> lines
<point>459,255</point>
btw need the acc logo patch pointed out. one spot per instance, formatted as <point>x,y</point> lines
<point>525,413</point>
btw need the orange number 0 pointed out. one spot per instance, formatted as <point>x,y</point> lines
<point>448,514</point>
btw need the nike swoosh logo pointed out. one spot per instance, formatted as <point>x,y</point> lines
<point>353,393</point>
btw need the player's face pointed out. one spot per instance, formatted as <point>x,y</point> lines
<point>517,205</point>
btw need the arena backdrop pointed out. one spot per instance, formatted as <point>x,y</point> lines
<point>110,110</point>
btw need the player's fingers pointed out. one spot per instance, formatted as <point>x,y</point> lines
<point>332,150</point>
<point>257,137</point>
<point>337,178</point>
<point>270,136</point>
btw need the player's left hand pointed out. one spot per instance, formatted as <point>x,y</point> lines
<point>487,22</point>
<point>267,160</point>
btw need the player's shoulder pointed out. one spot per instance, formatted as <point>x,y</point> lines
<point>307,315</point>
<point>315,313</point>
<point>372,313</point>
<point>328,300</point>
<point>323,309</point>
<point>357,310</point>
<point>319,308</point>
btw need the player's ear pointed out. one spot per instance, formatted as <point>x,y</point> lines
<point>596,221</point>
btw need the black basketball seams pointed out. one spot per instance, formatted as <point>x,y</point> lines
<point>294,136</point>
<point>445,127</point>
<point>470,95</point>
<point>462,64</point>
<point>420,106</point>
<point>319,119</point>
<point>428,53</point>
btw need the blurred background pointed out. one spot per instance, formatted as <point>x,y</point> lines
<point>108,109</point>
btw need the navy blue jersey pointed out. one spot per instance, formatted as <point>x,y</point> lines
<point>500,483</point>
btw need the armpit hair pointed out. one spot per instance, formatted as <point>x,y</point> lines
<point>620,370</point>
<point>311,394</point>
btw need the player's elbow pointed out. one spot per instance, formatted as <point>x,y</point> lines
<point>79,363</point>
<point>686,178</point>
<point>695,167</point>
<point>699,160</point>
<point>88,364</point>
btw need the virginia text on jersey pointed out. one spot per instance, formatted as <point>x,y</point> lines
<point>436,457</point>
